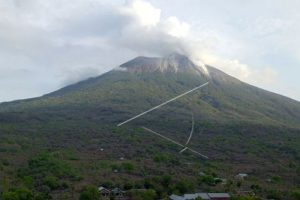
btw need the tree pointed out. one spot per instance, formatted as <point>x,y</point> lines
<point>295,194</point>
<point>10,196</point>
<point>144,195</point>
<point>184,186</point>
<point>149,195</point>
<point>273,194</point>
<point>128,166</point>
<point>18,194</point>
<point>166,181</point>
<point>90,193</point>
<point>51,182</point>
<point>24,194</point>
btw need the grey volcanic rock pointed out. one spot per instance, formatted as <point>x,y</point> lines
<point>171,63</point>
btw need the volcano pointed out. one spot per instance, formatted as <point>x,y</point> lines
<point>147,81</point>
<point>241,128</point>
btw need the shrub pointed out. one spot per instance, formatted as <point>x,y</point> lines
<point>184,186</point>
<point>161,158</point>
<point>166,181</point>
<point>128,186</point>
<point>273,194</point>
<point>295,194</point>
<point>208,179</point>
<point>144,195</point>
<point>90,193</point>
<point>18,194</point>
<point>51,182</point>
<point>128,166</point>
<point>10,196</point>
<point>24,194</point>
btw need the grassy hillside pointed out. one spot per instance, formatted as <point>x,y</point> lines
<point>56,145</point>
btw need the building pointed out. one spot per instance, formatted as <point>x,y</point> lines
<point>204,196</point>
<point>241,176</point>
<point>219,196</point>
<point>117,193</point>
<point>105,193</point>
<point>175,197</point>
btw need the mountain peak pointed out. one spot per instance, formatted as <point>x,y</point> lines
<point>177,57</point>
<point>171,63</point>
<point>178,61</point>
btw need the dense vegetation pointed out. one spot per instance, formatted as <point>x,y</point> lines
<point>46,166</point>
<point>66,144</point>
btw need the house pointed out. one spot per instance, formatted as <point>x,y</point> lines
<point>241,175</point>
<point>117,193</point>
<point>175,197</point>
<point>104,192</point>
<point>204,196</point>
<point>202,174</point>
<point>219,196</point>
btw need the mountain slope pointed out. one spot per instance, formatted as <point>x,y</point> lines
<point>145,82</point>
<point>57,144</point>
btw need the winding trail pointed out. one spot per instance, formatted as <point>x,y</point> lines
<point>192,130</point>
<point>191,134</point>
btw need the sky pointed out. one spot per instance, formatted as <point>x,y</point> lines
<point>48,44</point>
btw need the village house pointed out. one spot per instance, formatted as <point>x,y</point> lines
<point>105,193</point>
<point>115,193</point>
<point>219,196</point>
<point>118,193</point>
<point>241,175</point>
<point>204,196</point>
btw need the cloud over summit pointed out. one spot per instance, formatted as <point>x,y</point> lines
<point>58,42</point>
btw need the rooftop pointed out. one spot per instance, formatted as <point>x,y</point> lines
<point>204,196</point>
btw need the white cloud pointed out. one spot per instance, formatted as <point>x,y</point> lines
<point>171,34</point>
<point>176,28</point>
<point>142,11</point>
<point>62,42</point>
<point>265,77</point>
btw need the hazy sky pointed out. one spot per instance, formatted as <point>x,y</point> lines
<point>47,44</point>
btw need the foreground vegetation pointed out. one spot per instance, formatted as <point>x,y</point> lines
<point>41,165</point>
